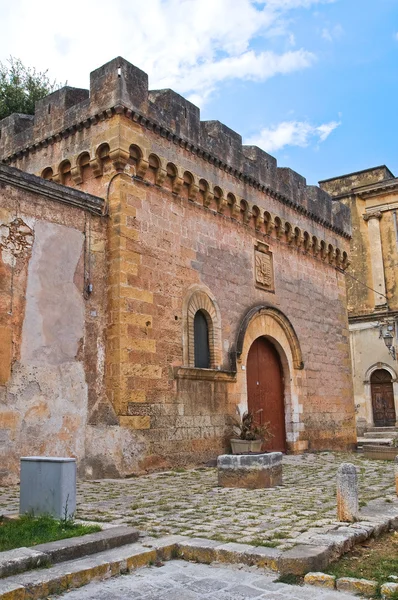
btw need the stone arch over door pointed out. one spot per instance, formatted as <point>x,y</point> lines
<point>271,324</point>
<point>368,388</point>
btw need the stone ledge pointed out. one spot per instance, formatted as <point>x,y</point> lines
<point>203,374</point>
<point>20,560</point>
<point>73,548</point>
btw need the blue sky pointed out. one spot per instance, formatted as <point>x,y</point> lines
<point>314,82</point>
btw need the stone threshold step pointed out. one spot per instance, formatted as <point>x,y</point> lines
<point>374,441</point>
<point>313,552</point>
<point>44,555</point>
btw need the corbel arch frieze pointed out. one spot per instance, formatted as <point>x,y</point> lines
<point>240,209</point>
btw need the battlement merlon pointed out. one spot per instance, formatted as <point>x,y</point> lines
<point>119,85</point>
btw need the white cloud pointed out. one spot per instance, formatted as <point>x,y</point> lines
<point>291,133</point>
<point>332,33</point>
<point>396,36</point>
<point>189,45</point>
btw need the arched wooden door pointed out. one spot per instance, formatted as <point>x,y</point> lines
<point>265,390</point>
<point>382,398</point>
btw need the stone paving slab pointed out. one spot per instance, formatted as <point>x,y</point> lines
<point>179,580</point>
<point>191,503</point>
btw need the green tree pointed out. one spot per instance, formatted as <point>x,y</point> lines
<point>21,87</point>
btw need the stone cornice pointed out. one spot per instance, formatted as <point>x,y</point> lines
<point>51,190</point>
<point>154,126</point>
<point>373,190</point>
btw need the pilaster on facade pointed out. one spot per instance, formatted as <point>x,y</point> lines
<point>376,254</point>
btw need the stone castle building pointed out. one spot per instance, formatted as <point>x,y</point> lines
<point>155,274</point>
<point>372,287</point>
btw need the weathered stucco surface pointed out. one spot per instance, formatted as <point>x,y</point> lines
<point>52,337</point>
<point>54,315</point>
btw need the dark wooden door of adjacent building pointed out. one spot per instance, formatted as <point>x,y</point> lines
<point>382,399</point>
<point>265,390</point>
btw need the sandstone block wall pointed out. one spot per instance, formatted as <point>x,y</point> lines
<point>189,208</point>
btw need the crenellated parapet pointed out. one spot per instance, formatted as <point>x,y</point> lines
<point>119,87</point>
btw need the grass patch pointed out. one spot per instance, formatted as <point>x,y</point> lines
<point>30,531</point>
<point>374,559</point>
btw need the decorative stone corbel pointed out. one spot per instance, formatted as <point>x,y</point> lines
<point>141,168</point>
<point>258,221</point>
<point>222,204</point>
<point>345,263</point>
<point>332,257</point>
<point>193,192</point>
<point>96,165</point>
<point>161,175</point>
<point>178,182</point>
<point>247,216</point>
<point>290,236</point>
<point>235,212</point>
<point>270,225</point>
<point>119,158</point>
<point>76,174</point>
<point>299,240</point>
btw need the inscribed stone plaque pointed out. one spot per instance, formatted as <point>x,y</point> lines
<point>263,268</point>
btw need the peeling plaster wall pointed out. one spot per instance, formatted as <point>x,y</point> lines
<point>51,336</point>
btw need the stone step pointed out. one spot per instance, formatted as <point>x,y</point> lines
<point>367,441</point>
<point>24,559</point>
<point>380,434</point>
<point>381,429</point>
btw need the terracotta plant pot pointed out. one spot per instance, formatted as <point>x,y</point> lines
<point>245,446</point>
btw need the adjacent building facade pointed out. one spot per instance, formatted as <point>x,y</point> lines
<point>372,196</point>
<point>210,279</point>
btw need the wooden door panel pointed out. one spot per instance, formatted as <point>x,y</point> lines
<point>383,399</point>
<point>265,390</point>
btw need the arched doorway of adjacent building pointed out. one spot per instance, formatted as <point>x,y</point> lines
<point>265,390</point>
<point>382,398</point>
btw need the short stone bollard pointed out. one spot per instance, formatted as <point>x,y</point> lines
<point>396,474</point>
<point>347,493</point>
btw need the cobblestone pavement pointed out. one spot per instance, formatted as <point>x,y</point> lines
<point>179,580</point>
<point>190,503</point>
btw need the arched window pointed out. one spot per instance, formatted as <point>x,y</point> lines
<point>201,333</point>
<point>201,341</point>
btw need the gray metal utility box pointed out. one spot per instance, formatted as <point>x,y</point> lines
<point>48,486</point>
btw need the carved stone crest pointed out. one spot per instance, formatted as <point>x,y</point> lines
<point>263,267</point>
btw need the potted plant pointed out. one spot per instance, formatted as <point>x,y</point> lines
<point>248,435</point>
